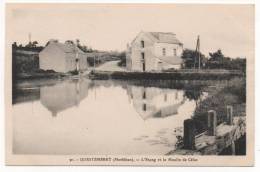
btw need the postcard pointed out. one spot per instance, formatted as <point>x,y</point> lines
<point>129,84</point>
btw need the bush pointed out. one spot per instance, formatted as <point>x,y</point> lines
<point>237,87</point>
<point>234,94</point>
<point>39,71</point>
<point>50,71</point>
<point>122,57</point>
<point>74,72</point>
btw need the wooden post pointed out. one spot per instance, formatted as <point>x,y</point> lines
<point>229,115</point>
<point>233,148</point>
<point>189,134</point>
<point>212,123</point>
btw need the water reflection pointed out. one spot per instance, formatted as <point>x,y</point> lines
<point>99,117</point>
<point>64,95</point>
<point>149,102</point>
<point>155,102</point>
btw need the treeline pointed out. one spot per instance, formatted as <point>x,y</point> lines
<point>215,60</point>
<point>25,58</point>
<point>31,46</point>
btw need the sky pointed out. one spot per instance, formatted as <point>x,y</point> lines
<point>111,26</point>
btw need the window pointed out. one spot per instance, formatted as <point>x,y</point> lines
<point>142,44</point>
<point>144,95</point>
<point>144,107</point>
<point>164,52</point>
<point>174,52</point>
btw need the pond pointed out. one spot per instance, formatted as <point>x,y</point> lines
<point>84,117</point>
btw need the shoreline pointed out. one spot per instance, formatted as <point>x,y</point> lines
<point>218,98</point>
<point>173,75</point>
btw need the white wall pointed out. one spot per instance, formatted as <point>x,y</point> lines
<point>148,51</point>
<point>52,58</point>
<point>158,49</point>
<point>152,50</point>
<point>169,52</point>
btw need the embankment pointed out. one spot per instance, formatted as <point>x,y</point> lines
<point>176,75</point>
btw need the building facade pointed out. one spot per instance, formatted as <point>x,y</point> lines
<point>62,57</point>
<point>154,51</point>
<point>151,102</point>
<point>59,97</point>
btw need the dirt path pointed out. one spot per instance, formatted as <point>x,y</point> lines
<point>110,66</point>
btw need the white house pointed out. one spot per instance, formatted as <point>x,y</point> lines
<point>154,51</point>
<point>150,102</point>
<point>65,95</point>
<point>62,57</point>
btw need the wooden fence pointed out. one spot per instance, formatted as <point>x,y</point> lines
<point>216,138</point>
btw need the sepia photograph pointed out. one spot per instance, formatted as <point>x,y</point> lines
<point>129,84</point>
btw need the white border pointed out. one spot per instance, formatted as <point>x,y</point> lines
<point>257,92</point>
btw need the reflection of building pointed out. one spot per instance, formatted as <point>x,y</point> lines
<point>155,102</point>
<point>63,95</point>
<point>62,57</point>
<point>154,51</point>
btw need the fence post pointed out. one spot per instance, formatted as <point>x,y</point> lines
<point>189,134</point>
<point>212,123</point>
<point>233,148</point>
<point>229,115</point>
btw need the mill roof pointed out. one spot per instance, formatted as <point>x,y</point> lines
<point>165,37</point>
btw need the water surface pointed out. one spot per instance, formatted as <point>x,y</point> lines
<point>83,117</point>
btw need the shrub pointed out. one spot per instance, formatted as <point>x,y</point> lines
<point>233,94</point>
<point>74,72</point>
<point>50,71</point>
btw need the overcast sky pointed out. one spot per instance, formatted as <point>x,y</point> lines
<point>110,27</point>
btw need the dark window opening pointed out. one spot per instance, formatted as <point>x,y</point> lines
<point>143,61</point>
<point>144,107</point>
<point>144,95</point>
<point>164,52</point>
<point>142,44</point>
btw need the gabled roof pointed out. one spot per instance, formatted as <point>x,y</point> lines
<point>161,37</point>
<point>165,37</point>
<point>67,47</point>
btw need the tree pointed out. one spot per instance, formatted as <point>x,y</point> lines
<point>191,59</point>
<point>14,45</point>
<point>69,42</point>
<point>34,44</point>
<point>217,56</point>
<point>77,42</point>
<point>217,60</point>
<point>29,45</point>
<point>193,94</point>
<point>122,56</point>
<point>84,48</point>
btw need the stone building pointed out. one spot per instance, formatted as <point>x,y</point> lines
<point>154,51</point>
<point>62,57</point>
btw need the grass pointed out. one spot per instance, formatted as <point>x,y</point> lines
<point>234,93</point>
